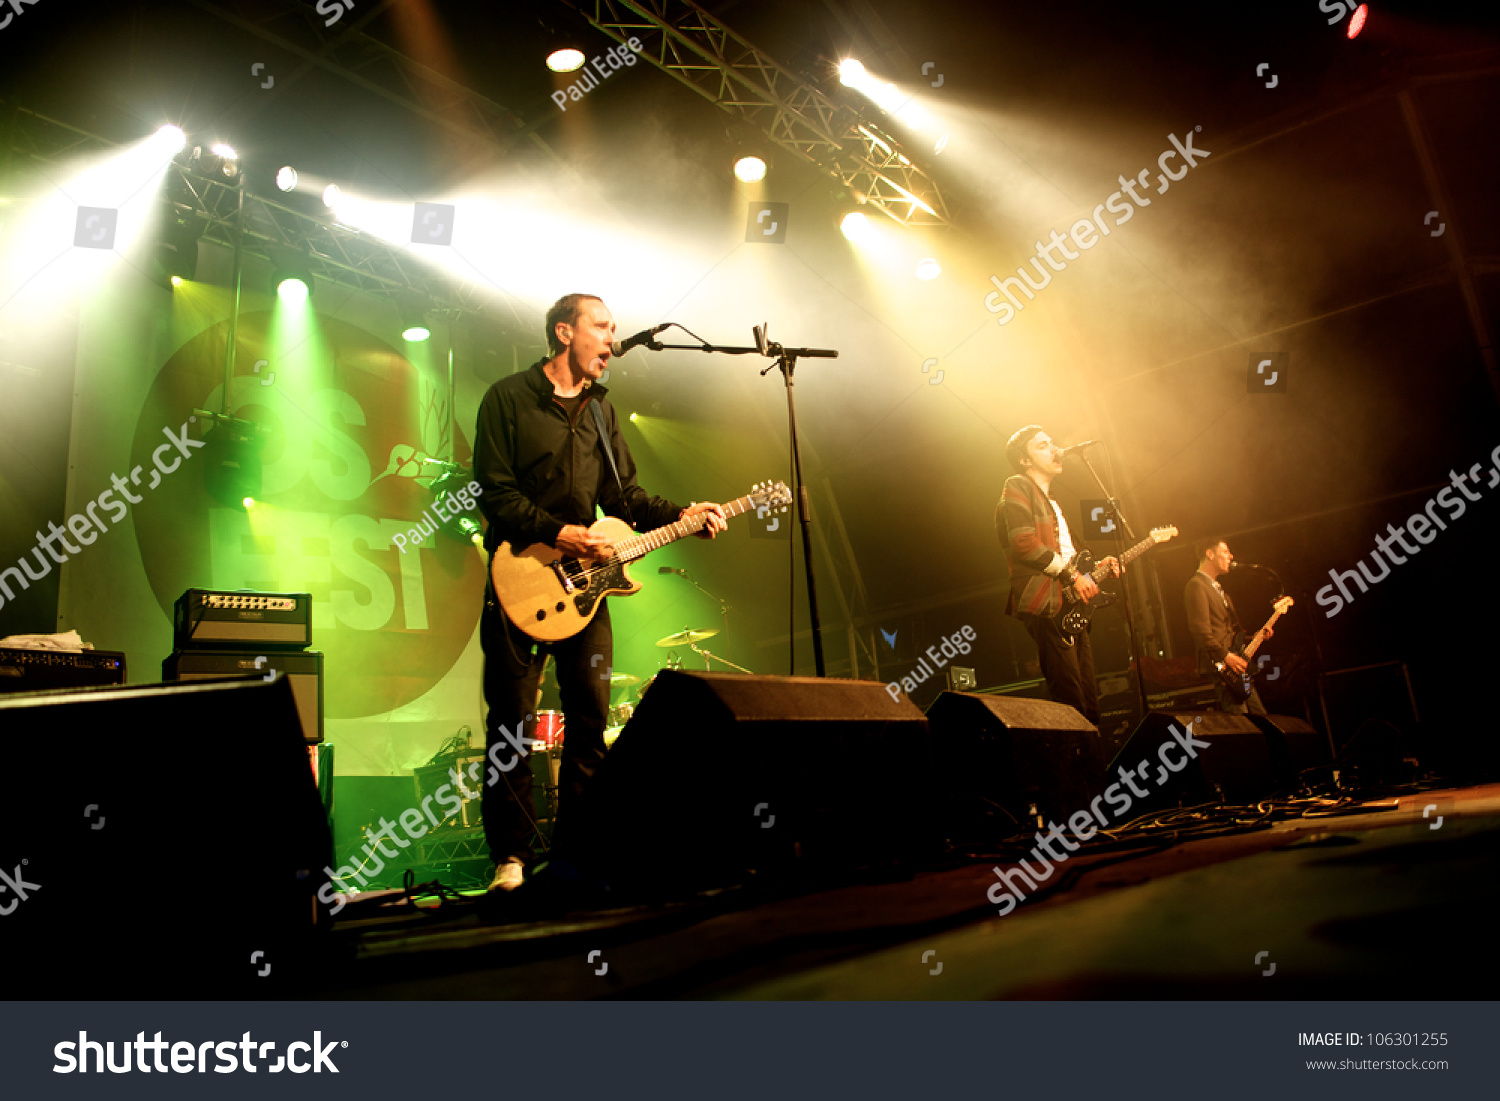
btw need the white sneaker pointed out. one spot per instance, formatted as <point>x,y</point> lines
<point>508,875</point>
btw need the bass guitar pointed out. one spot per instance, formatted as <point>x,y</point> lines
<point>1240,685</point>
<point>1076,612</point>
<point>552,596</point>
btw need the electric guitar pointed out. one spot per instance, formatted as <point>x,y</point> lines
<point>552,596</point>
<point>1240,685</point>
<point>1073,620</point>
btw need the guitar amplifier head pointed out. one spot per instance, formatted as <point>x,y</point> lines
<point>209,619</point>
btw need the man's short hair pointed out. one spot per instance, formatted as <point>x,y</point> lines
<point>565,310</point>
<point>1015,447</point>
<point>1203,546</point>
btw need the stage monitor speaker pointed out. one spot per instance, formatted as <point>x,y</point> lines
<point>167,841</point>
<point>1299,752</point>
<point>717,774</point>
<point>1006,759</point>
<point>1233,768</point>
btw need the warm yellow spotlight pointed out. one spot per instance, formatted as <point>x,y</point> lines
<point>565,60</point>
<point>220,149</point>
<point>632,417</point>
<point>855,226</point>
<point>929,268</point>
<point>750,169</point>
<point>851,72</point>
<point>176,280</point>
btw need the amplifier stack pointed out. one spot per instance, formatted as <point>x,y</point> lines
<point>218,634</point>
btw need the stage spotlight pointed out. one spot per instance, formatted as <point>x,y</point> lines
<point>749,169</point>
<point>414,321</point>
<point>855,226</point>
<point>232,464</point>
<point>1357,20</point>
<point>249,503</point>
<point>174,137</point>
<point>851,72</point>
<point>291,278</point>
<point>176,255</point>
<point>286,179</point>
<point>565,60</point>
<point>929,268</point>
<point>462,525</point>
<point>331,196</point>
<point>225,160</point>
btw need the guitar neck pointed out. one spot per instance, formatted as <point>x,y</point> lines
<point>1139,549</point>
<point>1260,635</point>
<point>641,545</point>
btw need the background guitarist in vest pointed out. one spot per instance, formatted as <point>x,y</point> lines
<point>1215,624</point>
<point>542,470</point>
<point>1040,546</point>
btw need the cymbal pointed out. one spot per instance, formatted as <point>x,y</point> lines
<point>623,680</point>
<point>682,638</point>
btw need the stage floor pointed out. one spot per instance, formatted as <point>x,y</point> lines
<point>1378,902</point>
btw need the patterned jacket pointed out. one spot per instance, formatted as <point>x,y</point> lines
<point>1027,527</point>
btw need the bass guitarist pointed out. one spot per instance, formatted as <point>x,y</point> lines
<point>540,460</point>
<point>1040,549</point>
<point>1215,625</point>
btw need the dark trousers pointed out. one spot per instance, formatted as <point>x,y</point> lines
<point>1067,669</point>
<point>512,672</point>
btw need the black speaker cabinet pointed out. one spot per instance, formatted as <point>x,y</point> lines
<point>718,774</point>
<point>1298,751</point>
<point>1234,766</point>
<point>304,668</point>
<point>1006,759</point>
<point>170,841</point>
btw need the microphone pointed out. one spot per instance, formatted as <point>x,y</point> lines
<point>645,336</point>
<point>1076,447</point>
<point>1244,566</point>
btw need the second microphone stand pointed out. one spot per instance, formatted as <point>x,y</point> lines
<point>786,362</point>
<point>1113,509</point>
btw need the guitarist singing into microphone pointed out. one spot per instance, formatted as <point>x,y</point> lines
<point>1214,623</point>
<point>540,457</point>
<point>1040,548</point>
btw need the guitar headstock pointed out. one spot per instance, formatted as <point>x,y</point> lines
<point>1161,535</point>
<point>1283,604</point>
<point>774,496</point>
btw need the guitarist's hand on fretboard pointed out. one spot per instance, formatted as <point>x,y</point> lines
<point>1235,663</point>
<point>1085,587</point>
<point>576,540</point>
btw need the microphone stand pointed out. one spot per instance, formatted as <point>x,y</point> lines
<point>1113,507</point>
<point>786,361</point>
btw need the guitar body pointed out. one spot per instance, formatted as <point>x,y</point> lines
<point>1073,619</point>
<point>533,585</point>
<point>1237,686</point>
<point>1240,685</point>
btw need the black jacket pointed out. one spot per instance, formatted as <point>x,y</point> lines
<point>1212,622</point>
<point>538,473</point>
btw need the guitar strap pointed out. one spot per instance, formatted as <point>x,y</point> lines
<point>609,453</point>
